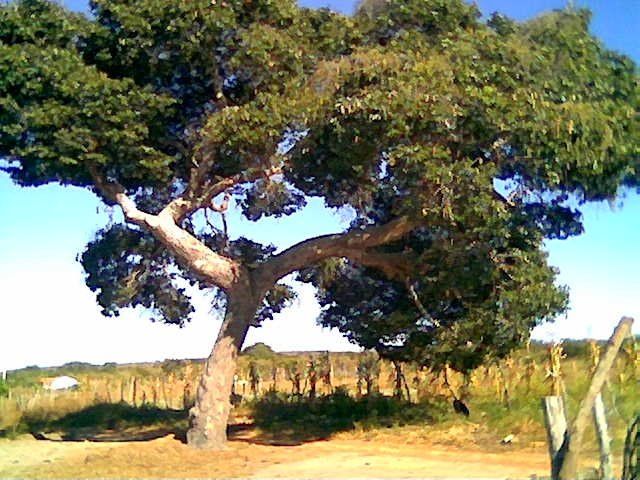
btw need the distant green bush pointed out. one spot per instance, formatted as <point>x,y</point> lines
<point>78,366</point>
<point>4,389</point>
<point>576,348</point>
<point>259,351</point>
<point>173,367</point>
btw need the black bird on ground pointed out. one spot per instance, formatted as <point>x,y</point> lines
<point>460,407</point>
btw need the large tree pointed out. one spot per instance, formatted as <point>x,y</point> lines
<point>409,112</point>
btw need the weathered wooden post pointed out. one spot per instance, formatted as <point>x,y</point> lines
<point>573,441</point>
<point>631,460</point>
<point>108,391</point>
<point>604,442</point>
<point>134,391</point>
<point>556,423</point>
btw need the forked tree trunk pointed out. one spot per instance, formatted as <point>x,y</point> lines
<point>209,416</point>
<point>244,288</point>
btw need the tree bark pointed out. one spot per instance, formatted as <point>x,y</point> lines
<point>604,441</point>
<point>209,416</point>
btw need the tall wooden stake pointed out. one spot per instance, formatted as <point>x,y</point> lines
<point>556,423</point>
<point>606,468</point>
<point>569,469</point>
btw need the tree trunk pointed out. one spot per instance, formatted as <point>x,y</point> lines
<point>209,416</point>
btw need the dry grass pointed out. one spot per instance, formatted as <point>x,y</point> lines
<point>504,399</point>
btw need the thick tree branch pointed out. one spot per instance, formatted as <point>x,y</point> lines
<point>395,266</point>
<point>501,198</point>
<point>352,244</point>
<point>114,192</point>
<point>209,266</point>
<point>183,206</point>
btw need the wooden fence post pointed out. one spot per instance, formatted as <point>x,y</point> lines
<point>556,424</point>
<point>154,390</point>
<point>606,468</point>
<point>569,468</point>
<point>164,394</point>
<point>134,391</point>
<point>631,460</point>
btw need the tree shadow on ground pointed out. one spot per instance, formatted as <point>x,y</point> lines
<point>291,420</point>
<point>277,420</point>
<point>111,422</point>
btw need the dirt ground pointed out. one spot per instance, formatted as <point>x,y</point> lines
<point>340,457</point>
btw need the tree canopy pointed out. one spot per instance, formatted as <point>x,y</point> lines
<point>458,144</point>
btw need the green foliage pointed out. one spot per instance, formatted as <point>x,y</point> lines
<point>78,366</point>
<point>413,108</point>
<point>173,367</point>
<point>576,348</point>
<point>390,20</point>
<point>259,351</point>
<point>275,301</point>
<point>477,299</point>
<point>61,116</point>
<point>128,268</point>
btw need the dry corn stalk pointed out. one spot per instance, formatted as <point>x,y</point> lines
<point>502,386</point>
<point>134,391</point>
<point>631,352</point>
<point>554,372</point>
<point>154,391</point>
<point>513,376</point>
<point>108,391</point>
<point>530,370</point>
<point>255,378</point>
<point>326,372</point>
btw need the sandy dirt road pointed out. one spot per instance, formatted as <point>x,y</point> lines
<point>167,457</point>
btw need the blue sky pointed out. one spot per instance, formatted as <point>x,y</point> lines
<point>49,317</point>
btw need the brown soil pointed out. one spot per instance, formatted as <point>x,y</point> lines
<point>344,456</point>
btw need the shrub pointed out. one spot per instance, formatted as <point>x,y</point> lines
<point>260,351</point>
